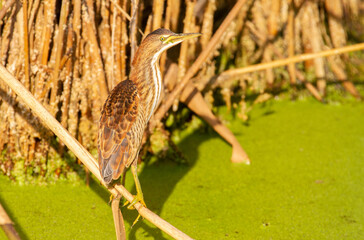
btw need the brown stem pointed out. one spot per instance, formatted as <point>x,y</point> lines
<point>341,76</point>
<point>32,14</point>
<point>123,43</point>
<point>273,17</point>
<point>49,14</point>
<point>167,23</point>
<point>335,21</point>
<point>59,48</point>
<point>133,27</point>
<point>117,37</point>
<point>73,118</point>
<point>68,80</point>
<point>49,9</point>
<point>208,23</point>
<point>195,101</point>
<point>315,93</point>
<point>26,44</point>
<point>105,36</point>
<point>182,60</point>
<point>125,14</point>
<point>312,39</point>
<point>176,13</point>
<point>95,51</point>
<point>290,30</point>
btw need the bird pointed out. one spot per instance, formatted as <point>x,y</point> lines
<point>129,107</point>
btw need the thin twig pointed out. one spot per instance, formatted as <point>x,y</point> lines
<point>121,10</point>
<point>82,153</point>
<point>315,93</point>
<point>299,58</point>
<point>210,48</point>
<point>26,43</point>
<point>290,29</point>
<point>114,15</point>
<point>133,27</point>
<point>125,14</point>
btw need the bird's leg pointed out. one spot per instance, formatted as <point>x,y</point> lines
<point>139,197</point>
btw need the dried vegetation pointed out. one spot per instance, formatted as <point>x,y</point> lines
<point>70,53</point>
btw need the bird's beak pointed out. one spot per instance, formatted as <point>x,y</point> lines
<point>182,36</point>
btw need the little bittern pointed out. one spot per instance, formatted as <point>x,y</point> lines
<point>129,107</point>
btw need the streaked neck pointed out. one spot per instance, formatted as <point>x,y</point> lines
<point>146,75</point>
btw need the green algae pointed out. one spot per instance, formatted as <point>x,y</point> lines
<point>305,182</point>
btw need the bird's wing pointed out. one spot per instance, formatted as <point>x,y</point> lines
<point>117,117</point>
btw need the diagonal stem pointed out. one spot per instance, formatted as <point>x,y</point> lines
<point>80,152</point>
<point>295,59</point>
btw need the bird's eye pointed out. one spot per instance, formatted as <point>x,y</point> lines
<point>162,39</point>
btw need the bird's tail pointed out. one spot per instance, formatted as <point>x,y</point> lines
<point>106,173</point>
<point>112,167</point>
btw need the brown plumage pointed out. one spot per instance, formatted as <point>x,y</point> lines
<point>115,142</point>
<point>129,107</point>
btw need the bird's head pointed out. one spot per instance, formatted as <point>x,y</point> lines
<point>160,40</point>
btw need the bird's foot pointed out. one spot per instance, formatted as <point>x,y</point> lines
<point>137,198</point>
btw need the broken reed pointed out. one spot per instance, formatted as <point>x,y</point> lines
<point>71,53</point>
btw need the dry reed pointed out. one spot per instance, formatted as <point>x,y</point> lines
<point>70,59</point>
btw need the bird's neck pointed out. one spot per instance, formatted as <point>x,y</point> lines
<point>146,75</point>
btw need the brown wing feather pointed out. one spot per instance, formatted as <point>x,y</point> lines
<point>117,117</point>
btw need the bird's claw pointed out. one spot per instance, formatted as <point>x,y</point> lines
<point>137,198</point>
<point>111,198</point>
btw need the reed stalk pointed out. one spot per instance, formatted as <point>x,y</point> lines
<point>295,59</point>
<point>291,38</point>
<point>133,28</point>
<point>96,59</point>
<point>26,44</point>
<point>82,153</point>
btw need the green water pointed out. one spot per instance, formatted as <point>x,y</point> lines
<point>305,182</point>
